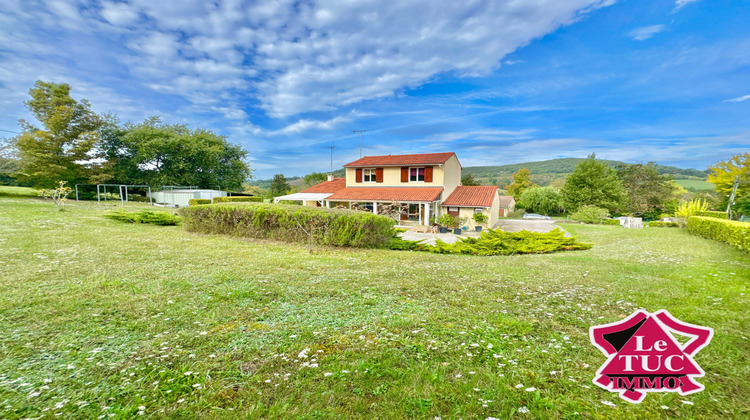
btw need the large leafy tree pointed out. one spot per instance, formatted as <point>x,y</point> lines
<point>593,183</point>
<point>723,174</point>
<point>315,178</point>
<point>543,200</point>
<point>63,148</point>
<point>521,182</point>
<point>279,186</point>
<point>645,187</point>
<point>156,154</point>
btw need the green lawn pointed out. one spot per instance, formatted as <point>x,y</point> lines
<point>100,318</point>
<point>696,184</point>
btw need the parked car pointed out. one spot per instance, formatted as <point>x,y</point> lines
<point>535,216</point>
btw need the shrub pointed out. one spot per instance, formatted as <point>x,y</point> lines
<point>691,208</point>
<point>715,214</point>
<point>480,218</point>
<point>497,242</point>
<point>446,220</point>
<point>730,231</point>
<point>151,217</point>
<point>663,224</point>
<point>612,222</point>
<point>238,200</point>
<point>542,200</point>
<point>196,201</point>
<point>335,227</point>
<point>590,214</point>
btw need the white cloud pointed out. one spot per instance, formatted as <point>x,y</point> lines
<point>739,99</point>
<point>679,4</point>
<point>645,32</point>
<point>120,14</point>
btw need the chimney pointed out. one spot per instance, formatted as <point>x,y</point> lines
<point>330,177</point>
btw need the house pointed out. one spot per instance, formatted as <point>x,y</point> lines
<point>507,205</point>
<point>428,184</point>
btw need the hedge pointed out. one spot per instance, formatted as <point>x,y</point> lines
<point>715,214</point>
<point>196,201</point>
<point>611,222</point>
<point>729,231</point>
<point>663,224</point>
<point>497,242</point>
<point>238,200</point>
<point>160,218</point>
<point>334,227</point>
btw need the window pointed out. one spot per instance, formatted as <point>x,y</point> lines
<point>478,210</point>
<point>368,175</point>
<point>416,174</point>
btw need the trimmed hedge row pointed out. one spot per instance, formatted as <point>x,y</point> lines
<point>196,201</point>
<point>238,200</point>
<point>663,224</point>
<point>160,218</point>
<point>715,214</point>
<point>332,227</point>
<point>730,231</point>
<point>611,222</point>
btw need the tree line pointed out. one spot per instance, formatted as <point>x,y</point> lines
<point>638,189</point>
<point>76,145</point>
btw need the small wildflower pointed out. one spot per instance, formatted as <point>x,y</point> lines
<point>523,410</point>
<point>664,407</point>
<point>530,389</point>
<point>687,402</point>
<point>327,374</point>
<point>609,403</point>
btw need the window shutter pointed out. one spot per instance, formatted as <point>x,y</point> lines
<point>404,174</point>
<point>358,175</point>
<point>379,175</point>
<point>428,174</point>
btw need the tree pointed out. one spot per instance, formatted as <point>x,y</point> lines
<point>469,181</point>
<point>315,178</point>
<point>64,148</point>
<point>521,182</point>
<point>646,189</point>
<point>279,186</point>
<point>723,174</point>
<point>593,183</point>
<point>542,200</point>
<point>156,154</point>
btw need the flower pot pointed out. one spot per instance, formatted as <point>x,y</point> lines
<point>443,229</point>
<point>478,228</point>
<point>457,231</point>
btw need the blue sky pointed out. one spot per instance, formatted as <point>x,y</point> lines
<point>497,82</point>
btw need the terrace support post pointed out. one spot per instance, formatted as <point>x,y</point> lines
<point>426,214</point>
<point>374,207</point>
<point>328,204</point>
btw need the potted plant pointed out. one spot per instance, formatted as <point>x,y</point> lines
<point>479,219</point>
<point>457,226</point>
<point>445,221</point>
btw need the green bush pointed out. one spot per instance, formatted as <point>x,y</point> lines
<point>590,214</point>
<point>335,227</point>
<point>146,216</point>
<point>238,200</point>
<point>497,242</point>
<point>730,231</point>
<point>446,220</point>
<point>196,201</point>
<point>715,214</point>
<point>663,224</point>
<point>612,222</point>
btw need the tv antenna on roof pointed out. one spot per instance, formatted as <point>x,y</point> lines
<point>360,140</point>
<point>332,147</point>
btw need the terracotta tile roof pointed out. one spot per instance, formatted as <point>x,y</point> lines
<point>398,160</point>
<point>327,186</point>
<point>425,194</point>
<point>505,200</point>
<point>480,196</point>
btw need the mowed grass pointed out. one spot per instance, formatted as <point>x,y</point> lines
<point>100,318</point>
<point>696,184</point>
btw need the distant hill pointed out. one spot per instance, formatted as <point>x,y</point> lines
<point>544,172</point>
